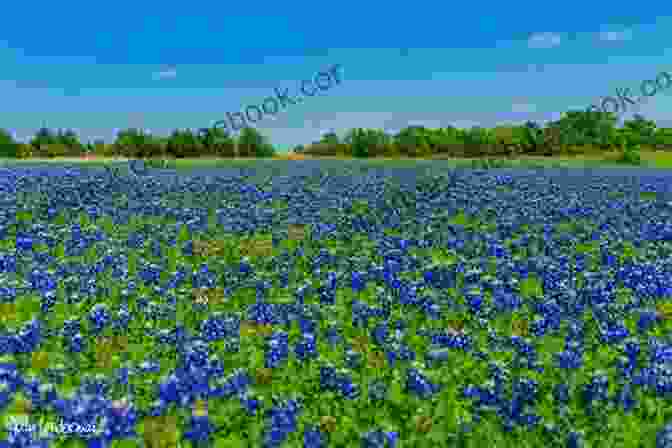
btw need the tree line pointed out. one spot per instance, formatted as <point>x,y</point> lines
<point>137,143</point>
<point>576,132</point>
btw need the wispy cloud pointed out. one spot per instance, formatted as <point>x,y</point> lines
<point>169,73</point>
<point>615,36</point>
<point>544,40</point>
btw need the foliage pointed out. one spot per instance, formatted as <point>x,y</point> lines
<point>252,144</point>
<point>630,153</point>
<point>576,132</point>
<point>8,147</point>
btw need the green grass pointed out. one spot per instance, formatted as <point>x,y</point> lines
<point>650,159</point>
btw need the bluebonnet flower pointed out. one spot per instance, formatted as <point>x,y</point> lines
<point>332,336</point>
<point>261,313</point>
<point>625,398</point>
<point>195,354</point>
<point>313,438</point>
<point>169,388</point>
<point>99,317</point>
<point>77,343</point>
<point>660,353</point>
<point>417,384</point>
<point>353,359</point>
<point>306,349</point>
<point>377,390</point>
<point>217,327</point>
<point>120,421</point>
<point>561,393</point>
<point>250,404</point>
<point>379,333</point>
<point>200,429</point>
<point>664,437</point>
<point>569,359</point>
<point>596,390</point>
<point>233,385</point>
<point>614,333</point>
<point>24,241</point>
<point>379,439</point>
<point>506,302</point>
<point>277,350</point>
<point>574,440</point>
<point>331,380</point>
<point>281,421</point>
<point>438,356</point>
<point>360,314</point>
<point>484,396</point>
<point>450,340</point>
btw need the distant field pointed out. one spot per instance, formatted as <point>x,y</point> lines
<point>650,159</point>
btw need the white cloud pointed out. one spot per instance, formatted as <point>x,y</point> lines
<point>615,36</point>
<point>544,40</point>
<point>165,74</point>
<point>523,108</point>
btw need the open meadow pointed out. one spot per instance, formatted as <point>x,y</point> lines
<point>336,303</point>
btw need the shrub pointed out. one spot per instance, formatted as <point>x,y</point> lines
<point>630,153</point>
<point>24,151</point>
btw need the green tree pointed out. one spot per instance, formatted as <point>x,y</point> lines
<point>251,143</point>
<point>69,139</point>
<point>378,142</point>
<point>41,140</point>
<point>184,144</point>
<point>8,147</point>
<point>663,138</point>
<point>330,138</point>
<point>363,143</point>
<point>533,137</point>
<point>509,140</point>
<point>477,141</point>
<point>590,128</point>
<point>413,141</point>
<point>328,145</point>
<point>355,141</point>
<point>642,131</point>
<point>135,143</point>
<point>216,141</point>
<point>265,150</point>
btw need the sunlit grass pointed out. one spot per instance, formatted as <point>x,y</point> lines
<point>650,159</point>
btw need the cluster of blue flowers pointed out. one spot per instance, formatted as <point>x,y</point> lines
<point>496,306</point>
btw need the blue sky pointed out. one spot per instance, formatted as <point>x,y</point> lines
<point>101,67</point>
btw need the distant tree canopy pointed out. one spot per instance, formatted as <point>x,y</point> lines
<point>576,132</point>
<point>8,147</point>
<point>137,143</point>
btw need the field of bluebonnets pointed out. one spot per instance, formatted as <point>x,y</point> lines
<point>325,304</point>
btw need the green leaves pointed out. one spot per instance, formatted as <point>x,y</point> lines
<point>396,394</point>
<point>231,441</point>
<point>531,287</point>
<point>183,234</point>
